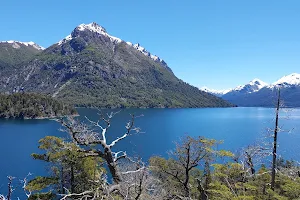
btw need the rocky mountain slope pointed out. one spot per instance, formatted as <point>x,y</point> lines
<point>12,54</point>
<point>15,52</point>
<point>92,68</point>
<point>259,93</point>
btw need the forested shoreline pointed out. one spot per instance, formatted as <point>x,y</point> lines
<point>32,106</point>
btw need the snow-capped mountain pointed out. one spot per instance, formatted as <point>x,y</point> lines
<point>95,28</point>
<point>253,86</point>
<point>259,93</point>
<point>16,44</point>
<point>217,93</point>
<point>287,81</point>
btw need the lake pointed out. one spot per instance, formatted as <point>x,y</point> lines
<point>237,127</point>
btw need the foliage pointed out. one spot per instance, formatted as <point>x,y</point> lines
<point>25,105</point>
<point>195,161</point>
<point>42,196</point>
<point>70,171</point>
<point>40,183</point>
<point>223,181</point>
<point>181,170</point>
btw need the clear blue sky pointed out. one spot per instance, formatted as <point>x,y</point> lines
<point>219,44</point>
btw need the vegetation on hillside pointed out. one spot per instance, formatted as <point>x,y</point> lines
<point>31,106</point>
<point>132,83</point>
<point>12,56</point>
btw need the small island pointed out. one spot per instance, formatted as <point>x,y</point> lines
<point>32,106</point>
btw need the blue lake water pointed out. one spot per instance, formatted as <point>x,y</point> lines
<point>237,127</point>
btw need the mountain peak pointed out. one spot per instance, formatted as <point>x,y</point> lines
<point>292,79</point>
<point>16,44</point>
<point>218,93</point>
<point>92,27</point>
<point>253,86</point>
<point>259,82</point>
<point>95,28</point>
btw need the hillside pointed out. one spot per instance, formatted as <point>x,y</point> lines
<point>92,68</point>
<point>13,54</point>
<point>32,106</point>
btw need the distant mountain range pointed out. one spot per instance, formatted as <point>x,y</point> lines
<point>259,93</point>
<point>90,67</point>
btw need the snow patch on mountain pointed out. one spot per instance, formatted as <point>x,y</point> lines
<point>145,52</point>
<point>17,43</point>
<point>69,37</point>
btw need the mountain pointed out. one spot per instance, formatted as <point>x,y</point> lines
<point>15,52</point>
<point>287,81</point>
<point>12,54</point>
<point>90,67</point>
<point>252,86</point>
<point>218,93</point>
<point>259,93</point>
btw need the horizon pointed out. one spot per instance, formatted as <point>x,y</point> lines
<point>215,44</point>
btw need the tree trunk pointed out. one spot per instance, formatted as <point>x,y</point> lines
<point>112,166</point>
<point>72,178</point>
<point>10,178</point>
<point>62,180</point>
<point>250,163</point>
<point>203,195</point>
<point>187,173</point>
<point>275,143</point>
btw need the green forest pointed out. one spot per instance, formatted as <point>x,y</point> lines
<point>32,106</point>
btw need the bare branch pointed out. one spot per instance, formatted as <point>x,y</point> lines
<point>90,137</point>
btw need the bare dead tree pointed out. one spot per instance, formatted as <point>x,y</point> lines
<point>133,177</point>
<point>10,187</point>
<point>93,142</point>
<point>25,182</point>
<point>253,155</point>
<point>138,182</point>
<point>274,154</point>
<point>186,157</point>
<point>288,168</point>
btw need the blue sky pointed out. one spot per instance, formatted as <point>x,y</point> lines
<point>215,43</point>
